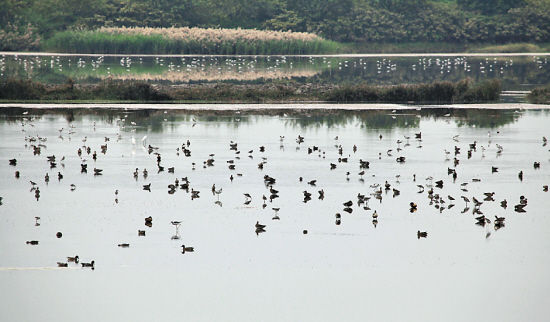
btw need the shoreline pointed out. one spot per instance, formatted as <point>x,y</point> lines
<point>366,55</point>
<point>272,107</point>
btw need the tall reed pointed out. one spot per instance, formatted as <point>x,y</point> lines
<point>189,41</point>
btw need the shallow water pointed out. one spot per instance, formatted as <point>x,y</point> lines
<point>352,271</point>
<point>517,72</point>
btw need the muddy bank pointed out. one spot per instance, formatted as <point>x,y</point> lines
<point>464,91</point>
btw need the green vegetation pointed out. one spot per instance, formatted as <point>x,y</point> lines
<point>438,92</point>
<point>188,41</point>
<point>540,95</point>
<point>18,89</point>
<point>23,23</point>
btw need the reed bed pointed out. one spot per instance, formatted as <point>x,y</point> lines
<point>189,41</point>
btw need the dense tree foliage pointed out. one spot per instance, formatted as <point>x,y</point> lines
<point>343,20</point>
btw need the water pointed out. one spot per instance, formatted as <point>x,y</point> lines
<point>518,73</point>
<point>352,271</point>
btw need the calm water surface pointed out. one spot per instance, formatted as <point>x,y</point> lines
<point>518,73</point>
<point>357,270</point>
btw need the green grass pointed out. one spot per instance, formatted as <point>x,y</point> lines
<point>95,42</point>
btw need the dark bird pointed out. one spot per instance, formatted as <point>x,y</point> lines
<point>259,226</point>
<point>90,264</point>
<point>494,169</point>
<point>147,187</point>
<point>185,249</point>
<point>421,234</point>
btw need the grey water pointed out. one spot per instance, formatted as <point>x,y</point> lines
<point>517,72</point>
<point>355,268</point>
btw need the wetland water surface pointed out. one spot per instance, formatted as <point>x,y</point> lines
<point>517,72</point>
<point>356,267</point>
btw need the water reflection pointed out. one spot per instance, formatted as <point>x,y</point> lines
<point>516,73</point>
<point>157,121</point>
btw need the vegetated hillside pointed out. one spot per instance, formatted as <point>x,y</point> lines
<point>24,22</point>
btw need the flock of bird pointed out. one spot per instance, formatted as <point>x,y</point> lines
<point>339,156</point>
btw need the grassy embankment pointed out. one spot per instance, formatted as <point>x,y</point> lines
<point>438,92</point>
<point>188,41</point>
<point>447,47</point>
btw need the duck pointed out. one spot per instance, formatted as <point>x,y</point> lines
<point>141,232</point>
<point>60,264</point>
<point>187,249</point>
<point>90,264</point>
<point>421,234</point>
<point>124,245</point>
<point>259,226</point>
<point>73,259</point>
<point>32,242</point>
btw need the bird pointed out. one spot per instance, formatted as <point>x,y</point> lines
<point>73,259</point>
<point>187,249</point>
<point>421,234</point>
<point>90,264</point>
<point>60,264</point>
<point>259,226</point>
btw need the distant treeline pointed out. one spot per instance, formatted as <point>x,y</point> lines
<point>24,22</point>
<point>464,91</point>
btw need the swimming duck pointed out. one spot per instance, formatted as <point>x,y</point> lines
<point>73,259</point>
<point>187,249</point>
<point>259,226</point>
<point>60,264</point>
<point>421,234</point>
<point>90,264</point>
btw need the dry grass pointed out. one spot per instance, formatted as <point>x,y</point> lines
<point>214,35</point>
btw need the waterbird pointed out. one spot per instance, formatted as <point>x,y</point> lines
<point>259,226</point>
<point>187,249</point>
<point>90,264</point>
<point>421,234</point>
